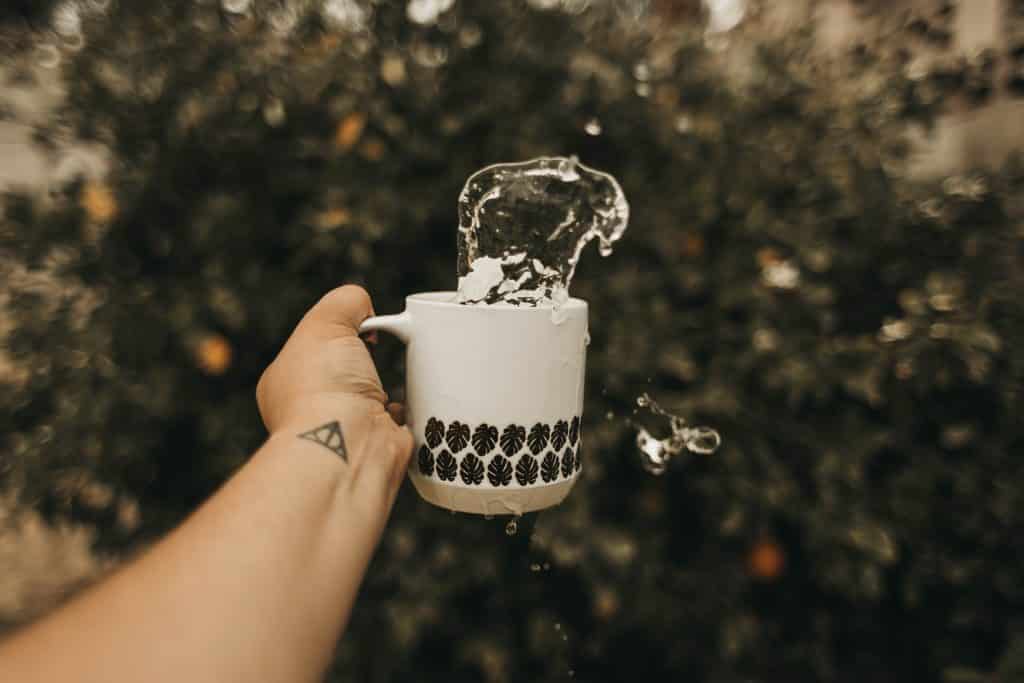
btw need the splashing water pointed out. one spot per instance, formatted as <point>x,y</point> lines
<point>522,227</point>
<point>512,528</point>
<point>657,452</point>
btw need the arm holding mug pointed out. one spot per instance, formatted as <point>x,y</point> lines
<point>258,583</point>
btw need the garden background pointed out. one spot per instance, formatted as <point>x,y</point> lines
<point>823,262</point>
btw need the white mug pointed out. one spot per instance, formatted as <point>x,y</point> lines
<point>494,397</point>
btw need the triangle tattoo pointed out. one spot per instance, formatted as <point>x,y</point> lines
<point>329,436</point>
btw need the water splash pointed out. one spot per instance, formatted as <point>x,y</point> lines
<point>656,453</point>
<point>512,528</point>
<point>522,227</point>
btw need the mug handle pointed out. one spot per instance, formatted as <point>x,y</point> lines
<point>400,325</point>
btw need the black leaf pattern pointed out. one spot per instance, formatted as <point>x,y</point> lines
<point>512,439</point>
<point>434,432</point>
<point>484,438</point>
<point>458,436</point>
<point>579,461</point>
<point>558,434</point>
<point>549,467</point>
<point>446,466</point>
<point>526,470</point>
<point>426,461</point>
<point>538,438</point>
<point>568,463</point>
<point>499,472</point>
<point>472,468</point>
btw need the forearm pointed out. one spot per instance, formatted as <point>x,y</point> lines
<point>256,585</point>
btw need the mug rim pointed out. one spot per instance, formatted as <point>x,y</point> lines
<point>446,298</point>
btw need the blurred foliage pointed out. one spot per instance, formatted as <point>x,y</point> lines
<point>856,337</point>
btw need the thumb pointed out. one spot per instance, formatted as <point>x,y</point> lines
<point>340,312</point>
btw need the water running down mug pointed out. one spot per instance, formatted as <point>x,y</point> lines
<point>494,396</point>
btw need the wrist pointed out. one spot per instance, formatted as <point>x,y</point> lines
<point>313,411</point>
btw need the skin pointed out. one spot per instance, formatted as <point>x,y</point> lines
<point>258,584</point>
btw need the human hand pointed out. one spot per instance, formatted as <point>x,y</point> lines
<point>324,374</point>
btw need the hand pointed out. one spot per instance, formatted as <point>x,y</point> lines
<point>324,373</point>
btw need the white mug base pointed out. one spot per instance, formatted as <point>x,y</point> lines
<point>481,501</point>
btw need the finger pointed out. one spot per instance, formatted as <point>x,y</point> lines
<point>341,310</point>
<point>397,413</point>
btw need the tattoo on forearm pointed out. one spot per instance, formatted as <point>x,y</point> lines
<point>329,436</point>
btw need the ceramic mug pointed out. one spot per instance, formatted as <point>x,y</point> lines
<point>494,396</point>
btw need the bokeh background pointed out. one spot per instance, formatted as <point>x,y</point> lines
<point>824,263</point>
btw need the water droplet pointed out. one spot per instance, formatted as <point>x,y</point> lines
<point>592,127</point>
<point>509,204</point>
<point>683,124</point>
<point>427,11</point>
<point>558,626</point>
<point>656,453</point>
<point>236,6</point>
<point>703,440</point>
<point>512,527</point>
<point>535,567</point>
<point>643,89</point>
<point>641,71</point>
